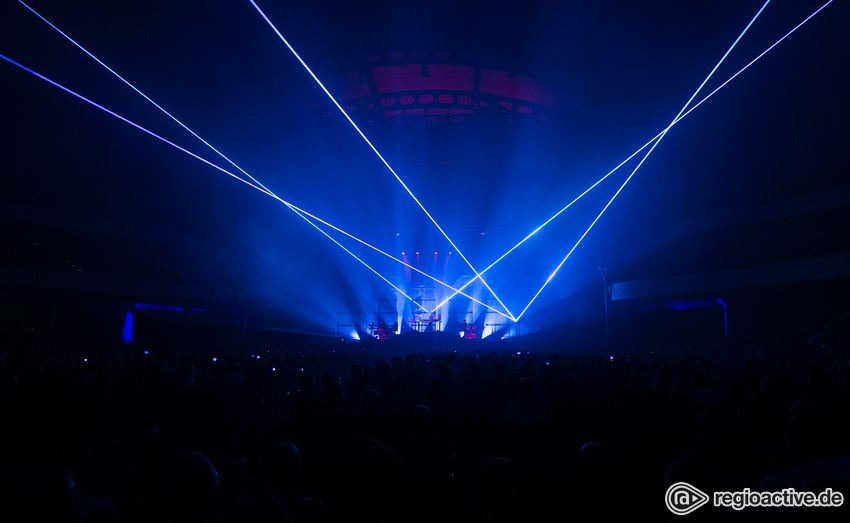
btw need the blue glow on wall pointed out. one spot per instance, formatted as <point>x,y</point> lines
<point>159,307</point>
<point>127,331</point>
<point>725,317</point>
<point>693,304</point>
<point>698,304</point>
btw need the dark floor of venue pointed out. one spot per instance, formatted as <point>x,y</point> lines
<point>471,432</point>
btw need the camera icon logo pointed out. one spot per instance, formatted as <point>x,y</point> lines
<point>683,498</point>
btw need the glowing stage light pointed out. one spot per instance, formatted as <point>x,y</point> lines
<point>644,146</point>
<point>409,266</point>
<point>375,150</point>
<point>355,257</point>
<point>710,74</point>
<point>264,191</point>
<point>358,259</point>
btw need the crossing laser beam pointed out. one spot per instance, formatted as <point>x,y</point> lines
<point>375,150</point>
<point>137,126</point>
<point>143,95</point>
<point>678,117</point>
<point>302,213</point>
<point>551,276</point>
<point>648,153</point>
<point>257,187</point>
<point>535,231</point>
<point>260,187</point>
<point>647,144</point>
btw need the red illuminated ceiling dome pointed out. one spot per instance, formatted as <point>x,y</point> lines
<point>400,87</point>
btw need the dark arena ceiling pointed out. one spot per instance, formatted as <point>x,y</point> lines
<point>495,115</point>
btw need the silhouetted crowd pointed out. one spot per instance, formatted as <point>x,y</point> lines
<point>387,432</point>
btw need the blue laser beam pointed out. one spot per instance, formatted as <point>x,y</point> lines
<point>688,112</point>
<point>175,119</point>
<point>535,231</point>
<point>375,150</point>
<point>648,153</point>
<point>707,78</point>
<point>644,146</point>
<point>137,126</point>
<point>681,114</point>
<point>551,276</point>
<point>143,95</point>
<point>257,187</point>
